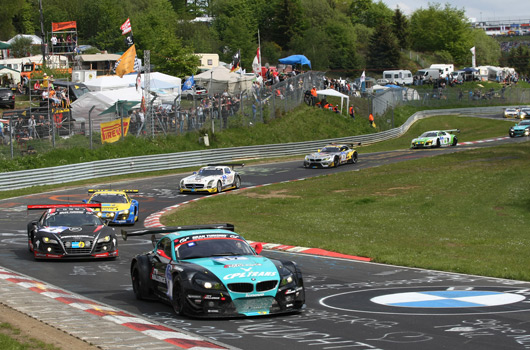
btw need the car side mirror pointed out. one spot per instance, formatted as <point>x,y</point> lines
<point>257,246</point>
<point>84,201</point>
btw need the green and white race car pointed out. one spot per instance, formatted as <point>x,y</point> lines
<point>435,138</point>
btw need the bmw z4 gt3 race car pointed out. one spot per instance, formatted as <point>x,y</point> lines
<point>70,231</point>
<point>436,138</point>
<point>213,178</point>
<point>332,155</point>
<point>210,271</point>
<point>116,205</point>
<point>520,129</point>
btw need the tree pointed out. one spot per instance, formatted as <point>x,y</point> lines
<point>441,29</point>
<point>487,49</point>
<point>518,59</point>
<point>21,47</point>
<point>384,50</point>
<point>368,13</point>
<point>400,27</point>
<point>10,9</point>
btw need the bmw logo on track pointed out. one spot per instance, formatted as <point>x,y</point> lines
<point>442,300</point>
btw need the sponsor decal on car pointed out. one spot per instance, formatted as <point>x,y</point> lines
<point>250,274</point>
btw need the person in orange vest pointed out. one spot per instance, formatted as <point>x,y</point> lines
<point>327,105</point>
<point>313,96</point>
<point>352,112</point>
<point>371,120</point>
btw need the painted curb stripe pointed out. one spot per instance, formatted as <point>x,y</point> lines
<point>120,317</point>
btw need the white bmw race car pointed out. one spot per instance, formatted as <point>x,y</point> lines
<point>213,178</point>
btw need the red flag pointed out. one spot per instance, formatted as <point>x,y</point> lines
<point>126,27</point>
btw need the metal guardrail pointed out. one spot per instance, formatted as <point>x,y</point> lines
<point>140,164</point>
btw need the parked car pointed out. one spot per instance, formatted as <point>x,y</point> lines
<point>196,92</point>
<point>7,98</point>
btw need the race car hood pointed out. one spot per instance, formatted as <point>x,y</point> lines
<point>520,127</point>
<point>320,155</point>
<point>423,139</point>
<point>114,206</point>
<point>239,269</point>
<point>200,179</point>
<point>76,232</point>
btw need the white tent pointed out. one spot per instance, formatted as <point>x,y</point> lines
<point>10,74</point>
<point>219,79</point>
<point>112,82</point>
<point>101,100</point>
<point>335,93</point>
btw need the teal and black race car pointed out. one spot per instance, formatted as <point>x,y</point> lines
<point>436,138</point>
<point>520,129</point>
<point>210,271</point>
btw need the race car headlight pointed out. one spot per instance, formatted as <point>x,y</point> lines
<point>327,158</point>
<point>210,183</point>
<point>104,239</point>
<point>99,214</point>
<point>182,183</point>
<point>126,211</point>
<point>288,279</point>
<point>306,157</point>
<point>428,142</point>
<point>49,240</point>
<point>208,282</point>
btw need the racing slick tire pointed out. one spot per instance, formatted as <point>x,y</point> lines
<point>336,162</point>
<point>353,159</point>
<point>30,239</point>
<point>219,188</point>
<point>237,182</point>
<point>512,134</point>
<point>438,143</point>
<point>138,276</point>
<point>455,141</point>
<point>178,302</point>
<point>136,216</point>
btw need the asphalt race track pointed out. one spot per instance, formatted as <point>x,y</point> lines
<point>350,304</point>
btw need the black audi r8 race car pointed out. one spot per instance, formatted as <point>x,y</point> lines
<point>210,271</point>
<point>70,231</point>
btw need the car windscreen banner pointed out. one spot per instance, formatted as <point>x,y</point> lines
<point>111,131</point>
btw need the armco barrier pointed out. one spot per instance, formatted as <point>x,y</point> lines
<point>131,165</point>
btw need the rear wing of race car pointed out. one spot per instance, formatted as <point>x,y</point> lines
<point>452,130</point>
<point>94,190</point>
<point>169,229</point>
<point>350,144</point>
<point>70,205</point>
<point>231,165</point>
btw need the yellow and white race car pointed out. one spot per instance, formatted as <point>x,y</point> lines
<point>332,155</point>
<point>117,207</point>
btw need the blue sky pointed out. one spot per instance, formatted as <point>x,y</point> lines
<point>478,9</point>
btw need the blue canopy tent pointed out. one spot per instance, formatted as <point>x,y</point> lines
<point>296,59</point>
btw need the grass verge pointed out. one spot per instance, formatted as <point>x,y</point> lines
<point>12,339</point>
<point>466,212</point>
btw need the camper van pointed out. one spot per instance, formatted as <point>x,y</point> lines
<point>427,75</point>
<point>446,69</point>
<point>401,77</point>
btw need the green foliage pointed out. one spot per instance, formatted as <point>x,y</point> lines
<point>369,13</point>
<point>518,58</point>
<point>21,47</point>
<point>487,49</point>
<point>384,50</point>
<point>400,28</point>
<point>442,29</point>
<point>10,10</point>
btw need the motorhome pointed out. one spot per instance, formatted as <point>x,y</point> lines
<point>427,75</point>
<point>401,77</point>
<point>446,69</point>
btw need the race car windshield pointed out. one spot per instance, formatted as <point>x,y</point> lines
<point>108,198</point>
<point>72,219</point>
<point>428,134</point>
<point>330,150</point>
<point>526,122</point>
<point>212,247</point>
<point>210,172</point>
